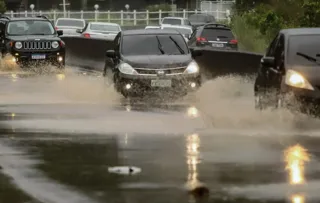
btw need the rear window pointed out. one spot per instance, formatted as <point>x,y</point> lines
<point>198,18</point>
<point>71,23</point>
<point>104,27</point>
<point>214,33</point>
<point>171,21</point>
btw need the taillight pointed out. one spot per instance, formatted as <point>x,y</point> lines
<point>56,28</point>
<point>86,35</point>
<point>234,41</point>
<point>62,43</point>
<point>201,39</point>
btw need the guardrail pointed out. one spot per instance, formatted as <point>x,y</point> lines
<point>212,62</point>
<point>122,17</point>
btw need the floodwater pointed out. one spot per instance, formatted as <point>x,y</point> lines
<point>61,133</point>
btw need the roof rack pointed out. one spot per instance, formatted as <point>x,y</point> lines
<point>215,25</point>
<point>43,16</point>
<point>6,17</point>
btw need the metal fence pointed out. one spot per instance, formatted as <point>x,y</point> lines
<point>122,17</point>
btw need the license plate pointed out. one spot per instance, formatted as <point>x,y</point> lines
<point>38,56</point>
<point>217,45</point>
<point>161,83</point>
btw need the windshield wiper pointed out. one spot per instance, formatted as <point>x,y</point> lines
<point>177,45</point>
<point>159,45</point>
<point>309,58</point>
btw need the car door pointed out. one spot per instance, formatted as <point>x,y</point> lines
<point>111,63</point>
<point>193,39</point>
<point>265,73</point>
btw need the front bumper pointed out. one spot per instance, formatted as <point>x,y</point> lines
<point>139,84</point>
<point>303,98</point>
<point>25,58</point>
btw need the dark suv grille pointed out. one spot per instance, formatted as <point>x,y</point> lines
<point>34,45</point>
<point>166,71</point>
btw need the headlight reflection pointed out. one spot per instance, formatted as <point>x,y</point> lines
<point>192,150</point>
<point>297,198</point>
<point>295,158</point>
<point>193,112</point>
<point>61,76</point>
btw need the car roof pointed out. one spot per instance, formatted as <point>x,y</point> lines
<point>75,19</point>
<point>174,18</point>
<point>149,32</point>
<point>300,31</point>
<point>177,26</point>
<point>103,23</point>
<point>26,18</point>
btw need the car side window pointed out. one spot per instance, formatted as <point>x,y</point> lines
<point>117,43</point>
<point>272,47</point>
<point>2,27</point>
<point>279,51</point>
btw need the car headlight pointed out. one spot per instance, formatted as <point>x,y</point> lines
<point>18,45</point>
<point>127,69</point>
<point>55,44</point>
<point>192,68</point>
<point>295,79</point>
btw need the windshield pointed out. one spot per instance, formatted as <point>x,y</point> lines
<point>197,18</point>
<point>30,27</point>
<point>149,45</point>
<point>71,23</point>
<point>183,31</point>
<point>171,21</point>
<point>305,44</point>
<point>104,27</point>
<point>214,33</point>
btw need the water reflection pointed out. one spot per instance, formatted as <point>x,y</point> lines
<point>14,77</point>
<point>297,198</point>
<point>296,157</point>
<point>61,76</point>
<point>193,112</point>
<point>192,145</point>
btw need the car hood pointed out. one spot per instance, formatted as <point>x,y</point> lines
<point>158,61</point>
<point>33,37</point>
<point>310,72</point>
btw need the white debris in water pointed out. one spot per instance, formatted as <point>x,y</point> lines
<point>124,170</point>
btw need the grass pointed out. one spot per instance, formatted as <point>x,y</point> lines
<point>250,39</point>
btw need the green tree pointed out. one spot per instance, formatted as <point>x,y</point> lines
<point>3,7</point>
<point>311,17</point>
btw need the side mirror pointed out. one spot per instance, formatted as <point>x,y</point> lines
<point>79,31</point>
<point>268,61</point>
<point>60,32</point>
<point>195,53</point>
<point>111,53</point>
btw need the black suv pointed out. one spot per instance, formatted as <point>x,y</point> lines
<point>31,41</point>
<point>213,35</point>
<point>152,61</point>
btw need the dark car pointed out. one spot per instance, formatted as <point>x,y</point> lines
<point>146,61</point>
<point>200,19</point>
<point>289,74</point>
<point>31,41</point>
<point>213,35</point>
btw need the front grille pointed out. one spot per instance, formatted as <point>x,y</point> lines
<point>165,71</point>
<point>34,45</point>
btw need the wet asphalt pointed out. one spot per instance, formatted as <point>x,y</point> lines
<point>58,141</point>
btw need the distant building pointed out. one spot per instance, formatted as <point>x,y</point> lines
<point>89,4</point>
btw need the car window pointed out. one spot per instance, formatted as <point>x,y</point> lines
<point>30,27</point>
<point>220,33</point>
<point>71,23</point>
<point>104,27</point>
<point>171,21</point>
<point>305,44</point>
<point>272,47</point>
<point>149,45</point>
<point>197,18</point>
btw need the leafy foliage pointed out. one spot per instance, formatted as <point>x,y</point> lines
<point>267,17</point>
<point>3,7</point>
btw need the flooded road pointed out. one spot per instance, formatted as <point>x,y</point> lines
<point>61,134</point>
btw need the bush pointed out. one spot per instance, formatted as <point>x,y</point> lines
<point>3,7</point>
<point>249,37</point>
<point>157,7</point>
